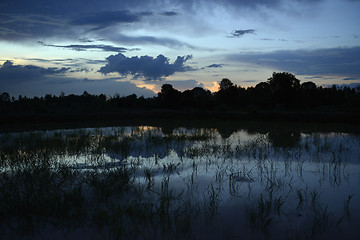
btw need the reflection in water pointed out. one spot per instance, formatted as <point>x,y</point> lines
<point>157,183</point>
<point>284,138</point>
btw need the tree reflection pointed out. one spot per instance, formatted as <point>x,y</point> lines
<point>284,138</point>
<point>226,132</point>
<point>167,130</point>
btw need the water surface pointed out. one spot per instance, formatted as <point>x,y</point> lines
<point>213,183</point>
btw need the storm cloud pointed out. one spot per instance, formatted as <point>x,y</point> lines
<point>149,68</point>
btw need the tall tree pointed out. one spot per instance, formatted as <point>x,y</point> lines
<point>284,87</point>
<point>283,81</point>
<point>225,84</point>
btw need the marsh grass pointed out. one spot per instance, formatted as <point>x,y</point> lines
<point>140,183</point>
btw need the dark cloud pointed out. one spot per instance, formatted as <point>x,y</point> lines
<point>146,14</point>
<point>240,33</point>
<point>80,47</point>
<point>23,19</point>
<point>349,79</point>
<point>86,70</point>
<point>319,62</point>
<point>170,14</point>
<point>55,61</point>
<point>20,73</point>
<point>108,18</point>
<point>215,65</point>
<point>19,27</point>
<point>145,66</point>
<point>86,40</point>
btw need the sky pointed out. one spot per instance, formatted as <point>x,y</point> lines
<point>135,46</point>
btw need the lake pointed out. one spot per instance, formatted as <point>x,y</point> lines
<point>181,182</point>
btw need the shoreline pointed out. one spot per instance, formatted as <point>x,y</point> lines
<point>154,117</point>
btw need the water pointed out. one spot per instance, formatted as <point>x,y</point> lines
<point>193,182</point>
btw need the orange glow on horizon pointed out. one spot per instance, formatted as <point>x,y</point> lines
<point>215,87</point>
<point>152,87</point>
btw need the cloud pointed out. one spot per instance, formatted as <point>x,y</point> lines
<point>145,66</point>
<point>215,65</point>
<point>21,73</point>
<point>148,40</point>
<point>319,62</point>
<point>349,79</point>
<point>108,18</point>
<point>86,70</point>
<point>22,20</point>
<point>273,39</point>
<point>240,33</point>
<point>77,63</point>
<point>250,81</point>
<point>30,80</point>
<point>170,14</point>
<point>315,77</point>
<point>22,27</point>
<point>82,47</point>
<point>56,85</point>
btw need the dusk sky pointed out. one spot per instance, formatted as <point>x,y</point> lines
<point>135,46</point>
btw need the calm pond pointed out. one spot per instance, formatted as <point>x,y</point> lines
<point>148,182</point>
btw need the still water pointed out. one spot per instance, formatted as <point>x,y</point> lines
<point>148,182</point>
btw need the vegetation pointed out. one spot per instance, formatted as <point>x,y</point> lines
<point>151,183</point>
<point>282,92</point>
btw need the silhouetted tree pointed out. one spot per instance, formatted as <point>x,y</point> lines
<point>263,95</point>
<point>284,86</point>
<point>308,95</point>
<point>228,94</point>
<point>225,84</point>
<point>196,97</point>
<point>282,90</point>
<point>5,97</point>
<point>309,86</point>
<point>283,81</point>
<point>263,86</point>
<point>169,96</point>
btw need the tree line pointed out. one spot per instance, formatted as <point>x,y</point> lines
<point>282,91</point>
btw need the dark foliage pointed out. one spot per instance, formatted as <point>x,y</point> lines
<point>282,92</point>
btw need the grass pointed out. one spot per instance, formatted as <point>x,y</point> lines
<point>139,183</point>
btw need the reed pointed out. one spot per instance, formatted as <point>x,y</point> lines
<point>141,183</point>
